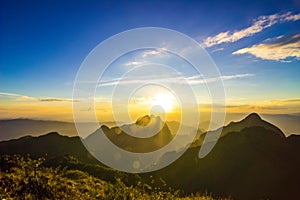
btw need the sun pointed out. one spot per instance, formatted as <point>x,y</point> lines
<point>165,100</point>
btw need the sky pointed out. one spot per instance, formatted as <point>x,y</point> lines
<point>254,44</point>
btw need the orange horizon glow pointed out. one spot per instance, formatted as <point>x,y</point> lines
<point>62,111</point>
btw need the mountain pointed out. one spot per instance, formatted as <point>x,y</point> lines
<point>51,145</point>
<point>148,133</point>
<point>65,152</point>
<point>288,123</point>
<point>16,128</point>
<point>252,159</point>
<point>255,162</point>
<point>251,120</point>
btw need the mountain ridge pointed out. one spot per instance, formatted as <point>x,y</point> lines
<point>124,136</point>
<point>18,127</point>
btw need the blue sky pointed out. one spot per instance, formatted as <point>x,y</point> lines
<point>43,43</point>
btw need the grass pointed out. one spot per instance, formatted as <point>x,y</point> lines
<point>26,178</point>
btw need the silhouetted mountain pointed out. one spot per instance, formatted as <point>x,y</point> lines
<point>254,162</point>
<point>61,151</point>
<point>288,123</point>
<point>144,120</point>
<point>153,132</point>
<point>50,145</point>
<point>249,121</point>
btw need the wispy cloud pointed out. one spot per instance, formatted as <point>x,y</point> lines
<point>218,49</point>
<point>20,97</point>
<point>278,49</point>
<point>153,52</point>
<point>283,101</point>
<point>192,80</point>
<point>257,26</point>
<point>199,80</point>
<point>269,106</point>
<point>148,53</point>
<point>255,107</point>
<point>58,100</point>
<point>133,63</point>
<point>146,57</point>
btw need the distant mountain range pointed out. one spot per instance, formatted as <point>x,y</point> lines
<point>16,128</point>
<point>253,159</point>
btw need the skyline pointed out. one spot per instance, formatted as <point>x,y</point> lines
<point>255,45</point>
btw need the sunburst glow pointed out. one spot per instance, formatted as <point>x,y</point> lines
<point>165,100</point>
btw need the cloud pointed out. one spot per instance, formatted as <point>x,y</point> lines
<point>58,100</point>
<point>268,106</point>
<point>257,26</point>
<point>236,76</point>
<point>292,17</point>
<point>10,94</point>
<point>26,98</point>
<point>218,49</point>
<point>278,49</point>
<point>254,107</point>
<point>147,57</point>
<point>20,97</point>
<point>197,79</point>
<point>192,80</point>
<point>153,52</point>
<point>148,53</point>
<point>133,63</point>
<point>283,101</point>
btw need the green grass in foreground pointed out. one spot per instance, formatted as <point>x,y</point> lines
<point>25,178</point>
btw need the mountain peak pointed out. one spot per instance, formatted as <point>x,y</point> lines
<point>51,134</point>
<point>146,119</point>
<point>143,121</point>
<point>251,120</point>
<point>149,133</point>
<point>253,117</point>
